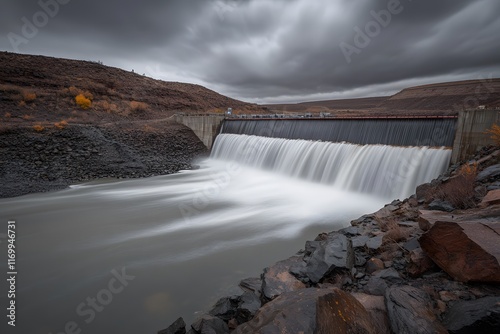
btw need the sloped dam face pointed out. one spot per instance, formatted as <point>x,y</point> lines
<point>132,256</point>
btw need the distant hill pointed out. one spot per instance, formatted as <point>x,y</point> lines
<point>435,99</point>
<point>38,88</point>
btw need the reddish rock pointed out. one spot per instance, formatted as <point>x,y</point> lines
<point>467,251</point>
<point>491,198</point>
<point>311,311</point>
<point>375,305</point>
<point>427,218</point>
<point>419,263</point>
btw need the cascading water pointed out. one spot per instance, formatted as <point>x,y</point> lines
<point>386,171</point>
<point>187,239</point>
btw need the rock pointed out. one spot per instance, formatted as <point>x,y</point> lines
<point>248,305</point>
<point>410,311</point>
<point>440,205</point>
<point>374,243</point>
<point>491,172</point>
<point>339,312</point>
<point>491,198</point>
<point>411,244</point>
<point>225,308</point>
<point>476,316</point>
<point>210,325</point>
<point>423,191</point>
<point>384,212</point>
<point>350,231</point>
<point>322,257</point>
<point>178,327</point>
<point>419,263</point>
<point>375,305</point>
<point>278,279</point>
<point>310,311</point>
<point>359,241</point>
<point>373,265</point>
<point>376,286</point>
<point>253,284</point>
<point>493,186</point>
<point>467,251</point>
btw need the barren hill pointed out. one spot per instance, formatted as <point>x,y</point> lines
<point>38,88</point>
<point>435,99</point>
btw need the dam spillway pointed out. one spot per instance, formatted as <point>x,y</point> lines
<point>435,132</point>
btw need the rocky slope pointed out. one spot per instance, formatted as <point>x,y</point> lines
<point>428,264</point>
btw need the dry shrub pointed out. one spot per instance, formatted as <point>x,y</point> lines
<point>38,127</point>
<point>148,128</point>
<point>106,106</point>
<point>61,125</point>
<point>22,103</point>
<point>27,117</point>
<point>73,91</point>
<point>459,191</point>
<point>138,106</point>
<point>7,115</point>
<point>494,131</point>
<point>28,96</point>
<point>82,101</point>
<point>395,233</point>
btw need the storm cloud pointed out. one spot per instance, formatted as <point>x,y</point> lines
<point>268,50</point>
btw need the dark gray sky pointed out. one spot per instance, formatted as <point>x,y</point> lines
<point>268,50</point>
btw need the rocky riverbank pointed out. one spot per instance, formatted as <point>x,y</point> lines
<point>428,264</point>
<point>51,159</point>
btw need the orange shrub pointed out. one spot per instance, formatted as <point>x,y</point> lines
<point>106,106</point>
<point>22,103</point>
<point>83,102</point>
<point>494,131</point>
<point>61,125</point>
<point>38,127</point>
<point>28,96</point>
<point>7,115</point>
<point>459,191</point>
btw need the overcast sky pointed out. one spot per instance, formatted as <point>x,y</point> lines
<point>268,51</point>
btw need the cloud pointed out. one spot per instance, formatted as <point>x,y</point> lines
<point>275,50</point>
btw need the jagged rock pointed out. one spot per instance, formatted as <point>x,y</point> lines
<point>374,243</point>
<point>278,279</point>
<point>467,251</point>
<point>491,198</point>
<point>373,265</point>
<point>253,284</point>
<point>324,256</point>
<point>339,312</point>
<point>178,327</point>
<point>375,305</point>
<point>360,241</point>
<point>440,205</point>
<point>410,311</point>
<point>210,325</point>
<point>491,172</point>
<point>419,263</point>
<point>248,305</point>
<point>310,311</point>
<point>476,316</point>
<point>376,286</point>
<point>225,308</point>
<point>411,244</point>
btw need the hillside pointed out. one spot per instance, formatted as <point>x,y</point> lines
<point>43,89</point>
<point>435,99</point>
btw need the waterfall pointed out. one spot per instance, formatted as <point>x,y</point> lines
<point>434,132</point>
<point>386,171</point>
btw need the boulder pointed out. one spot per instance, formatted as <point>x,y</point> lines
<point>225,308</point>
<point>491,198</point>
<point>253,284</point>
<point>278,279</point>
<point>248,305</point>
<point>440,205</point>
<point>373,265</point>
<point>476,316</point>
<point>374,243</point>
<point>467,251</point>
<point>178,327</point>
<point>375,305</point>
<point>310,311</point>
<point>410,311</point>
<point>322,257</point>
<point>492,172</point>
<point>419,263</point>
<point>210,325</point>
